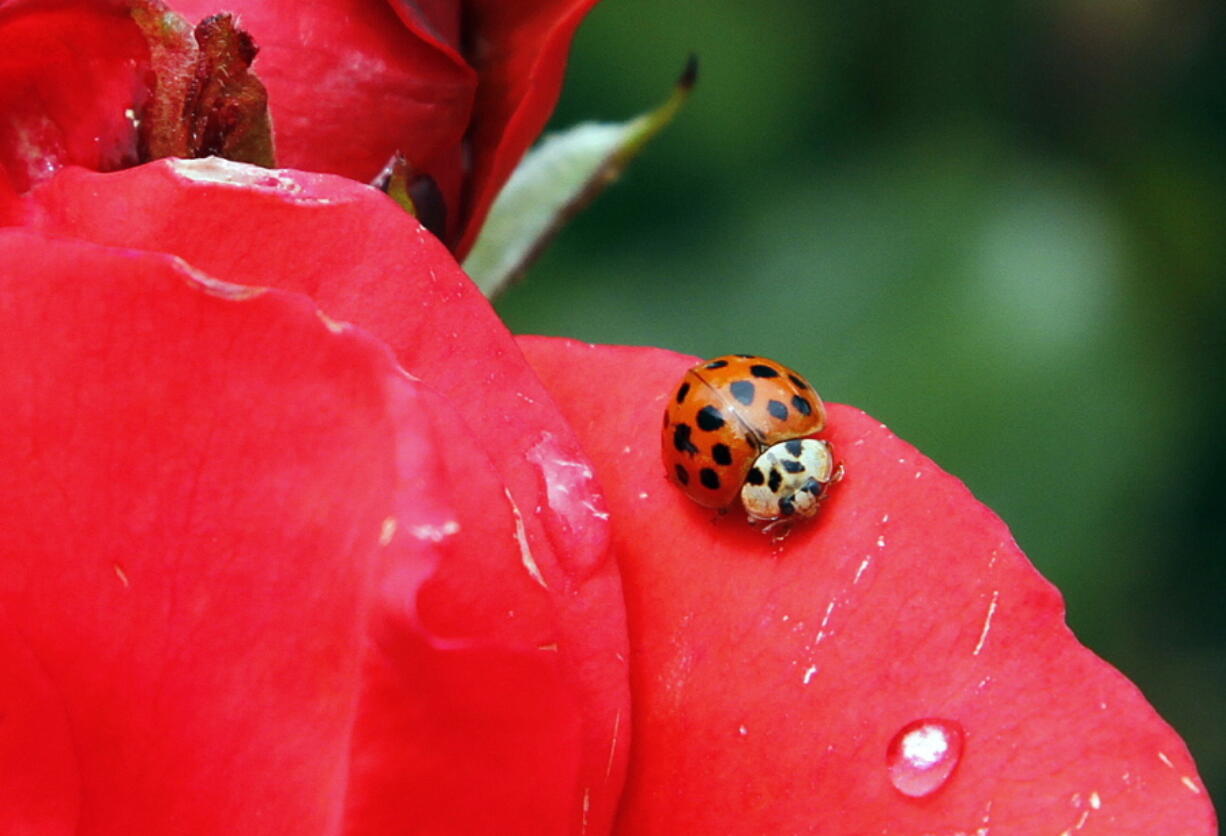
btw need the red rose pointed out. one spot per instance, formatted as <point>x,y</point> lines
<point>461,89</point>
<point>256,579</point>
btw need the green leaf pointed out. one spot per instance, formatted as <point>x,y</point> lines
<point>554,181</point>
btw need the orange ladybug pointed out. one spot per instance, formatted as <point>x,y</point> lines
<point>736,426</point>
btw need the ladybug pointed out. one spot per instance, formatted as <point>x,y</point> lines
<point>736,426</point>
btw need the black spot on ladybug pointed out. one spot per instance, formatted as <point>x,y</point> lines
<point>682,391</point>
<point>777,410</point>
<point>716,364</point>
<point>812,486</point>
<point>786,506</point>
<point>709,419</point>
<point>758,370</point>
<point>773,482</point>
<point>794,447</point>
<point>755,476</point>
<point>681,439</point>
<point>801,405</point>
<point>721,454</point>
<point>683,475</point>
<point>709,478</point>
<point>798,382</point>
<point>743,391</point>
<point>792,467</point>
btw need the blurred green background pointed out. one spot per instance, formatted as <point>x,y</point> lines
<point>998,227</point>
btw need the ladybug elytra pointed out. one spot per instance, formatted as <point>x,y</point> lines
<point>736,426</point>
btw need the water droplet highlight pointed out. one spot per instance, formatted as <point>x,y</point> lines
<point>923,755</point>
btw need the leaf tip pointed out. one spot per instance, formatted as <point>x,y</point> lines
<point>689,75</point>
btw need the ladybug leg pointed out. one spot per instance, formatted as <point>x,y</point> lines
<point>783,527</point>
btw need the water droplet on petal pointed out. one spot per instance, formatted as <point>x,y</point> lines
<point>923,755</point>
<point>577,522</point>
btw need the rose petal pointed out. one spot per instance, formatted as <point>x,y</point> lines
<point>349,85</point>
<point>365,261</point>
<point>72,74</point>
<point>770,678</point>
<point>40,793</point>
<point>520,51</point>
<point>198,636</point>
<point>457,734</point>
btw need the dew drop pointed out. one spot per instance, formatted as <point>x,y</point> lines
<point>923,755</point>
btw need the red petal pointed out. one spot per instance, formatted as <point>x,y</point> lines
<point>196,637</point>
<point>470,720</point>
<point>68,73</point>
<point>349,85</point>
<point>520,51</point>
<point>365,261</point>
<point>40,793</point>
<point>769,679</point>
